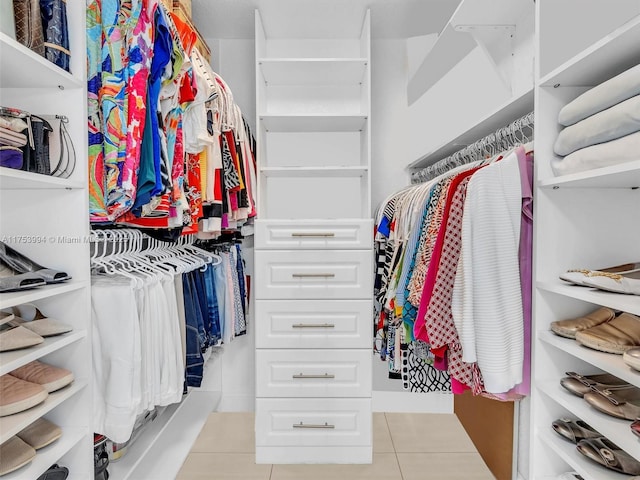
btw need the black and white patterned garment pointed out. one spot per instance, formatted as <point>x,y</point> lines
<point>231,180</point>
<point>418,372</point>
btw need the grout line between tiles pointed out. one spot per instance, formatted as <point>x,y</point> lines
<point>386,421</point>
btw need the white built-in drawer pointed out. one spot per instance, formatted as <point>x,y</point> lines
<point>313,234</point>
<point>306,274</point>
<point>313,421</point>
<point>313,373</point>
<point>313,323</point>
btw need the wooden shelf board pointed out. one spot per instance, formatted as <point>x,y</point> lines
<point>49,455</point>
<point>11,360</point>
<point>505,114</point>
<point>10,299</point>
<point>313,123</point>
<point>12,179</point>
<point>604,361</point>
<point>617,301</point>
<point>625,175</point>
<point>588,469</point>
<point>23,68</point>
<point>313,71</point>
<point>349,171</point>
<point>606,58</point>
<point>12,424</point>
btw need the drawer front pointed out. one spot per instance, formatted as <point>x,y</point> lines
<point>313,373</point>
<point>313,235</point>
<point>313,323</point>
<point>313,422</point>
<point>329,274</point>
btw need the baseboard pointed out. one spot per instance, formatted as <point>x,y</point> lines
<point>314,455</point>
<point>411,402</point>
<point>161,450</point>
<point>237,403</point>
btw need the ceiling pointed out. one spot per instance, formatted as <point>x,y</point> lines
<point>390,19</point>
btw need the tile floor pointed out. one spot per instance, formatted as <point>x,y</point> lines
<point>403,449</point>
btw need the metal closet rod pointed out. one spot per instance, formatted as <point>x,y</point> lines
<point>502,139</point>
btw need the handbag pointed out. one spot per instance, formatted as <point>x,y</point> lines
<point>28,24</point>
<point>62,153</point>
<point>56,32</point>
<point>55,472</point>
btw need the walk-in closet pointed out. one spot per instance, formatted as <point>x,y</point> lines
<point>286,239</point>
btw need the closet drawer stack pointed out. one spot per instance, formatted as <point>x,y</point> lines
<point>313,250</point>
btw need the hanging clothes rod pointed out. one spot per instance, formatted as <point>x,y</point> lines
<point>502,139</point>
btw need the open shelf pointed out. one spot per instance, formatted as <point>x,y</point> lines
<point>31,70</point>
<point>11,360</point>
<point>12,424</point>
<point>349,171</point>
<point>12,179</point>
<point>313,71</point>
<point>49,455</point>
<point>588,469</point>
<point>10,299</point>
<point>625,175</point>
<point>503,115</point>
<point>608,362</point>
<point>606,58</point>
<point>313,123</point>
<point>617,301</point>
<point>615,429</point>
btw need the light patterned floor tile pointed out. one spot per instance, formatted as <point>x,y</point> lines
<point>227,432</point>
<point>441,466</point>
<point>223,466</point>
<point>384,467</point>
<point>428,432</point>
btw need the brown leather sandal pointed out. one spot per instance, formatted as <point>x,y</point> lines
<point>574,430</point>
<point>608,454</point>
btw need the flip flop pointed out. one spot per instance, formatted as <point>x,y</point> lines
<point>574,430</point>
<point>609,455</point>
<point>21,264</point>
<point>581,384</point>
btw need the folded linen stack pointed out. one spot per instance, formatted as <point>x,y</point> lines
<point>602,126</point>
<point>12,140</point>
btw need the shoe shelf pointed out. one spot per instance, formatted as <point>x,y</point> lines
<point>313,71</point>
<point>313,123</point>
<point>604,361</point>
<point>12,179</point>
<point>10,299</point>
<point>30,69</point>
<point>347,171</point>
<point>625,175</point>
<point>617,301</point>
<point>601,61</point>
<point>567,451</point>
<point>49,455</point>
<point>12,424</point>
<point>11,360</point>
<point>615,429</point>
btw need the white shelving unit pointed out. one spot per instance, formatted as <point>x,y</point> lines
<point>46,219</point>
<point>585,220</point>
<point>313,244</point>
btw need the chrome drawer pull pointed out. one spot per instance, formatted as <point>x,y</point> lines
<point>325,375</point>
<point>313,275</point>
<point>311,425</point>
<point>313,325</point>
<point>320,235</point>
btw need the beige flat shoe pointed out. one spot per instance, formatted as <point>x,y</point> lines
<point>616,336</point>
<point>15,337</point>
<point>30,317</point>
<point>40,433</point>
<point>617,402</point>
<point>14,454</point>
<point>568,328</point>
<point>50,377</point>
<point>581,384</point>
<point>17,395</point>
<point>578,276</point>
